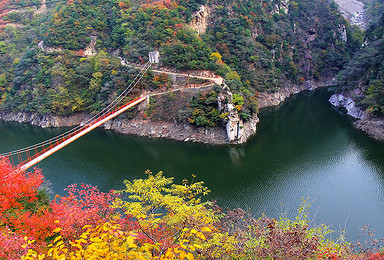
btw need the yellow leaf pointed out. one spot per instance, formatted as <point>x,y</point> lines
<point>200,235</point>
<point>206,229</point>
<point>81,240</point>
<point>57,239</point>
<point>190,256</point>
<point>95,240</point>
<point>182,255</point>
<point>78,246</point>
<point>84,235</point>
<point>57,230</point>
<point>132,245</point>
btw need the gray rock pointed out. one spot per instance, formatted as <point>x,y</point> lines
<point>339,100</point>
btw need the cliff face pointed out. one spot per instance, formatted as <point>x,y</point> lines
<point>147,128</point>
<point>44,121</point>
<point>237,130</point>
<point>373,126</point>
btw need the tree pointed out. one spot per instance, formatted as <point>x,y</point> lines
<point>165,214</point>
<point>23,207</point>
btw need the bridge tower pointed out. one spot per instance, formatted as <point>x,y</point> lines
<point>154,57</point>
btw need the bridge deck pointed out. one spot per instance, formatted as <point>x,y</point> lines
<point>77,134</point>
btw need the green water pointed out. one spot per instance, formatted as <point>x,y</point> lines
<point>303,148</point>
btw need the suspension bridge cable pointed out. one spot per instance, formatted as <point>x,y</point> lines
<point>90,121</point>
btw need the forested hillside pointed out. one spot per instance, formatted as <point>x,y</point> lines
<point>366,70</point>
<point>64,60</point>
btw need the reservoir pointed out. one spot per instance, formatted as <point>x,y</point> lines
<point>303,148</point>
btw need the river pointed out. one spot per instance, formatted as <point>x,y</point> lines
<point>303,148</point>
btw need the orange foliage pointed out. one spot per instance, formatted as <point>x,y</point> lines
<point>79,52</point>
<point>18,194</point>
<point>161,5</point>
<point>27,214</point>
<point>3,11</point>
<point>17,186</point>
<point>123,5</point>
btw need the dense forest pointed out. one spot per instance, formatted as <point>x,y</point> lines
<point>257,46</point>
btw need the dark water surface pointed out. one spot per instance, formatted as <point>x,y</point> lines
<point>303,148</point>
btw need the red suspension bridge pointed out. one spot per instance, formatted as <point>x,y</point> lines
<point>27,157</point>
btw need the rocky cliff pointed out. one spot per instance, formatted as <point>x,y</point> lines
<point>347,102</point>
<point>373,126</point>
<point>237,130</point>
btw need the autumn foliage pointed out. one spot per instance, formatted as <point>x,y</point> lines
<point>3,11</point>
<point>152,218</point>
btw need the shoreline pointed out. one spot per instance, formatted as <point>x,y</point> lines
<point>172,130</point>
<point>371,126</point>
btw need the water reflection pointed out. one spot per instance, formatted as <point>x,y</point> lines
<point>236,154</point>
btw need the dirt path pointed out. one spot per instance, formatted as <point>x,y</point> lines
<point>178,89</point>
<point>218,80</point>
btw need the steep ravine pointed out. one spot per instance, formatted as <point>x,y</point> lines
<point>353,10</point>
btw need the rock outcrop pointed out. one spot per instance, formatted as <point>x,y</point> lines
<point>340,100</point>
<point>45,120</point>
<point>275,98</point>
<point>199,21</point>
<point>283,5</point>
<point>237,130</point>
<point>90,50</point>
<point>373,126</point>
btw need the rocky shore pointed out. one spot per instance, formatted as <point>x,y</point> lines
<point>148,128</point>
<point>373,126</point>
<point>275,98</point>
